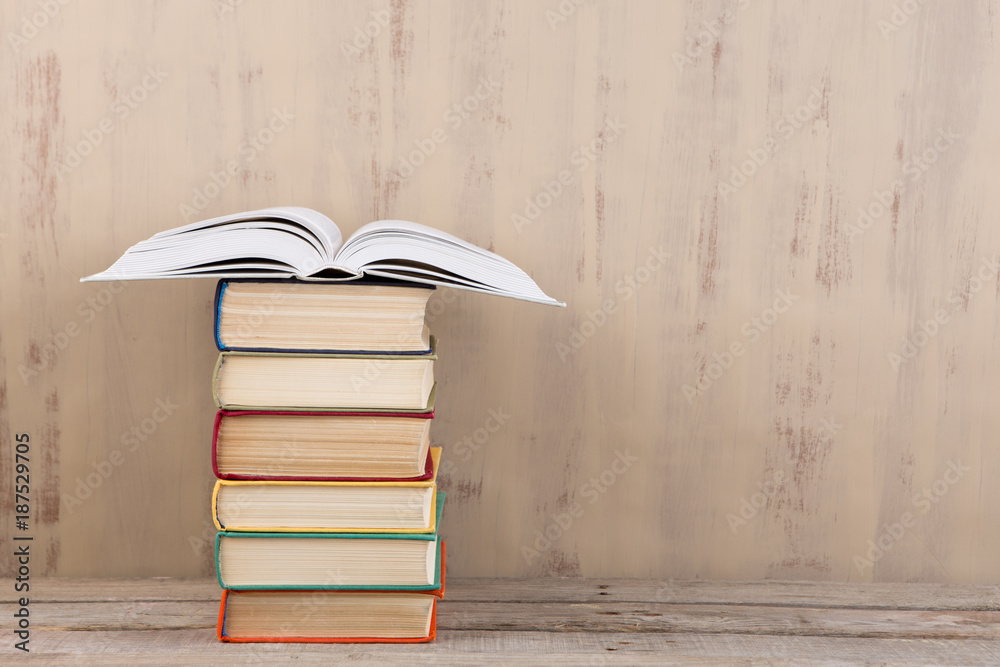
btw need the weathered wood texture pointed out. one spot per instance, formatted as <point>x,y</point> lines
<point>573,622</point>
<point>733,410</point>
<point>928,597</point>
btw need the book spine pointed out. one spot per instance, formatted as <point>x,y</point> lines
<point>215,505</point>
<point>220,289</point>
<point>227,412</point>
<point>221,625</point>
<point>215,444</point>
<point>218,570</point>
<point>215,379</point>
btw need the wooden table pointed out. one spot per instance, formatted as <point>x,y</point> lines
<point>545,622</point>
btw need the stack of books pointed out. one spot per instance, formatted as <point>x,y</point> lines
<point>326,501</point>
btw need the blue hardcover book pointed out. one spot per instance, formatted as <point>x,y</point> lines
<point>376,316</point>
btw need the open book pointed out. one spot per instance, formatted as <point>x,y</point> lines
<point>288,241</point>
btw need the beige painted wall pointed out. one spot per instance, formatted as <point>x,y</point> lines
<point>811,414</point>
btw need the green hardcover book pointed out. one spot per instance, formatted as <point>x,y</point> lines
<point>330,561</point>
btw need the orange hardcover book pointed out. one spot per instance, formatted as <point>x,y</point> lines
<point>330,616</point>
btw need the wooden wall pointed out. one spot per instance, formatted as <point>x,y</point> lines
<point>720,398</point>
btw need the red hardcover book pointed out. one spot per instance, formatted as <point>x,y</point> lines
<point>314,616</point>
<point>282,451</point>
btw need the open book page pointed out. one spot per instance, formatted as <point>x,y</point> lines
<point>415,252</point>
<point>275,241</point>
<point>287,241</point>
<point>311,223</point>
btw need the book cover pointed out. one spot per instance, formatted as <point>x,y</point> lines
<point>437,593</point>
<point>434,455</point>
<point>430,537</point>
<point>227,414</point>
<point>220,290</point>
<point>369,358</point>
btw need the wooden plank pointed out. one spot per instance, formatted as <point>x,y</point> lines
<point>58,589</point>
<point>574,617</point>
<point>199,647</point>
<point>761,593</point>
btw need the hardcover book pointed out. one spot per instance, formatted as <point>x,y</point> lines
<point>277,380</point>
<point>321,446</point>
<point>330,561</point>
<point>332,507</point>
<point>292,241</point>
<point>334,616</point>
<point>290,315</point>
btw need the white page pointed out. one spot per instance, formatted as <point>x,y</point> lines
<point>322,227</point>
<point>379,244</point>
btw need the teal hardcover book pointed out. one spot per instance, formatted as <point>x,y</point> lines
<point>330,561</point>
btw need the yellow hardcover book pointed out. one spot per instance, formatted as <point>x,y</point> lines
<point>392,506</point>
